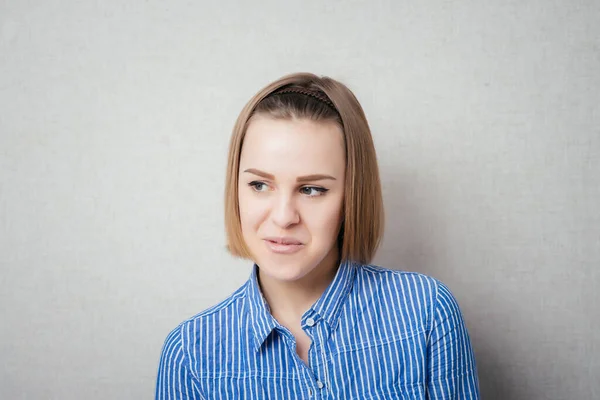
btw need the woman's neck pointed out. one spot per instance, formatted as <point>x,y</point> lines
<point>289,300</point>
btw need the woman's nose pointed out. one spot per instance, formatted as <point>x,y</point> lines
<point>284,212</point>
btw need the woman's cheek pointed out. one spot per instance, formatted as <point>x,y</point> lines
<point>258,209</point>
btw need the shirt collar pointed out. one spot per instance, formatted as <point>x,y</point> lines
<point>330,303</point>
<point>258,309</point>
<point>327,307</point>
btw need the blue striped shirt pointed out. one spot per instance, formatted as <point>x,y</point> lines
<point>376,334</point>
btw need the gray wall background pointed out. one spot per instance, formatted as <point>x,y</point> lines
<point>114,124</point>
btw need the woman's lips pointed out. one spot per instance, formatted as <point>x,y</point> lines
<point>283,247</point>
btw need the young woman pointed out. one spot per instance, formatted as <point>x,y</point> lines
<point>315,321</point>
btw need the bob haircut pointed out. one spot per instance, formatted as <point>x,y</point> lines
<point>305,95</point>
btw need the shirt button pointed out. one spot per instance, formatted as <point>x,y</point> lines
<point>310,321</point>
<point>320,384</point>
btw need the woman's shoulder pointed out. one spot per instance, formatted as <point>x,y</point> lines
<point>420,300</point>
<point>213,316</point>
<point>407,287</point>
<point>399,278</point>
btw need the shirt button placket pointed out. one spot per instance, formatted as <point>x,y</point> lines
<point>310,322</point>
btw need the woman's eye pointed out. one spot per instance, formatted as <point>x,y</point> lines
<point>258,186</point>
<point>313,191</point>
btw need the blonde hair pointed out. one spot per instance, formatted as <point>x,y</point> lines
<point>321,99</point>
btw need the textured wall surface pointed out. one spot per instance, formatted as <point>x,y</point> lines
<point>114,125</point>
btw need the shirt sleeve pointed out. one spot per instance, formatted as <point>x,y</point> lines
<point>174,380</point>
<point>452,373</point>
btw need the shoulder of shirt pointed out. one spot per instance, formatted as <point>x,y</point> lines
<point>433,287</point>
<point>231,301</point>
<point>400,274</point>
<point>435,293</point>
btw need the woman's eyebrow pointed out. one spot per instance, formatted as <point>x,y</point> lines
<point>315,177</point>
<point>260,173</point>
<point>300,179</point>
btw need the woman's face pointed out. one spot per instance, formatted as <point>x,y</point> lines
<point>291,194</point>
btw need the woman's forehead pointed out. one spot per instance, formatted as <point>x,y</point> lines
<point>298,140</point>
<point>301,147</point>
